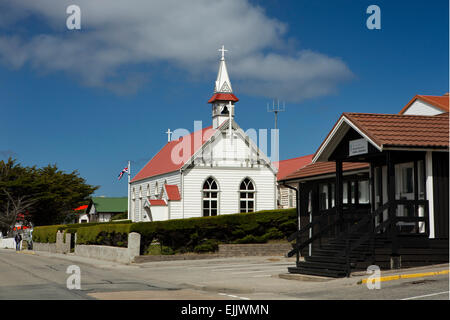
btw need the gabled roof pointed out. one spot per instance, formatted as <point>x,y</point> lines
<point>103,204</point>
<point>441,102</point>
<point>389,131</point>
<point>173,194</point>
<point>288,166</point>
<point>157,202</point>
<point>323,168</point>
<point>170,158</point>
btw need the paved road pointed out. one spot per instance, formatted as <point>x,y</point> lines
<point>43,276</point>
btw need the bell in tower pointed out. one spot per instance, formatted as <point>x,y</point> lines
<point>223,98</point>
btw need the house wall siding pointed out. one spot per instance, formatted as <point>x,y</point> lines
<point>149,184</point>
<point>229,181</point>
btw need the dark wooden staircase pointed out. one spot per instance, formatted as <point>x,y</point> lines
<point>361,244</point>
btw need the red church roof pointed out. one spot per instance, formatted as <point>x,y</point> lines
<point>172,192</point>
<point>286,167</point>
<point>173,155</point>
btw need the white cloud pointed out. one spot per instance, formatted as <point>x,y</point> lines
<point>116,35</point>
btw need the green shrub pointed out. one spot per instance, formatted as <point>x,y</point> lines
<point>251,239</point>
<point>209,245</point>
<point>46,234</point>
<point>120,216</point>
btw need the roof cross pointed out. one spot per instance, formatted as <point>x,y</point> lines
<point>223,52</point>
<point>169,135</point>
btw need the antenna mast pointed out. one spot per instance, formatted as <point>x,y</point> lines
<point>276,109</point>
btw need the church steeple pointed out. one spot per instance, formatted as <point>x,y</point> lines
<point>223,99</point>
<point>223,83</point>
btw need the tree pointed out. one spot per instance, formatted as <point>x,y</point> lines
<point>51,192</point>
<point>12,208</point>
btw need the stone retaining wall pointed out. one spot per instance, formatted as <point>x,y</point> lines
<point>47,247</point>
<point>254,249</point>
<point>226,250</point>
<point>108,253</point>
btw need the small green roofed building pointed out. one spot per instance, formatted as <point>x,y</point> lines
<point>101,209</point>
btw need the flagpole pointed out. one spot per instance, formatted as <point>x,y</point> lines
<point>129,196</point>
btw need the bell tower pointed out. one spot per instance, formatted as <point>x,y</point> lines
<point>223,99</point>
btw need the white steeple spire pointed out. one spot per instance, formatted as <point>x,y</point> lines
<point>223,83</point>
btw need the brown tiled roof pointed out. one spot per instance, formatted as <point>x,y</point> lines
<point>441,102</point>
<point>392,130</point>
<point>321,168</point>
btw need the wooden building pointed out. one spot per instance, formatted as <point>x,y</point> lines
<point>376,192</point>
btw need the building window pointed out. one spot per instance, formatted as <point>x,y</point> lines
<point>323,196</point>
<point>148,190</point>
<point>156,188</point>
<point>210,194</point>
<point>291,198</point>
<point>363,192</point>
<point>247,196</point>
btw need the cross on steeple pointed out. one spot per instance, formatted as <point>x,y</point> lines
<point>223,52</point>
<point>169,135</point>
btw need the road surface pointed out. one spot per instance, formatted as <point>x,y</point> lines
<point>43,276</point>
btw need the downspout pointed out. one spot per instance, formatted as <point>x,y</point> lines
<point>182,192</point>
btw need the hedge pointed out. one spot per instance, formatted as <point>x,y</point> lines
<point>186,235</point>
<point>47,234</point>
<point>113,234</point>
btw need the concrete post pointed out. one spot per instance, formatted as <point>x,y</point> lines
<point>134,245</point>
<point>59,242</point>
<point>67,244</point>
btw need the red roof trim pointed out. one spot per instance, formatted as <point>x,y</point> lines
<point>157,202</point>
<point>223,97</point>
<point>173,194</point>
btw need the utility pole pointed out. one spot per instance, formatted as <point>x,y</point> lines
<point>276,109</point>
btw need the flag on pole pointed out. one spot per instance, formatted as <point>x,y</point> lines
<point>125,170</point>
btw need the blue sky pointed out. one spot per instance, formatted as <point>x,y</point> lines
<point>89,100</point>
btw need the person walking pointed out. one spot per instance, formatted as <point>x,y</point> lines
<point>18,239</point>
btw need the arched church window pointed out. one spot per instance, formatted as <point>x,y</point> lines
<point>156,188</point>
<point>140,192</point>
<point>148,190</point>
<point>247,196</point>
<point>210,195</point>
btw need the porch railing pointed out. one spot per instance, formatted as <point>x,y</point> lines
<point>416,222</point>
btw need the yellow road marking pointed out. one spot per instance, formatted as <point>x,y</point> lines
<point>407,276</point>
<point>25,252</point>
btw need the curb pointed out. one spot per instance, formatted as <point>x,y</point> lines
<point>304,277</point>
<point>404,276</point>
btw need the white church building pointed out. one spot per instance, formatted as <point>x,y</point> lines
<point>213,171</point>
